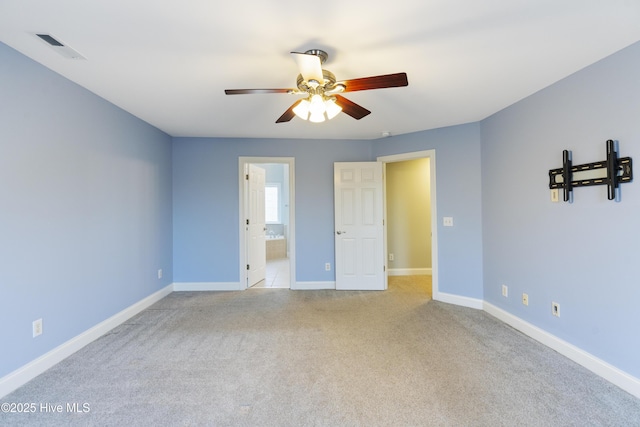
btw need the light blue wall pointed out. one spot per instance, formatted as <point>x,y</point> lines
<point>85,209</point>
<point>458,194</point>
<point>205,195</point>
<point>206,238</point>
<point>583,255</point>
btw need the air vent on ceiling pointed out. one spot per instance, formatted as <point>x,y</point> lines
<point>49,39</point>
<point>60,47</point>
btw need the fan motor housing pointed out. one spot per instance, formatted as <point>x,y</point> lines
<point>329,82</point>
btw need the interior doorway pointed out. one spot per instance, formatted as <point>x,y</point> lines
<point>277,239</point>
<point>411,220</point>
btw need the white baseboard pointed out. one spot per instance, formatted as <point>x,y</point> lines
<point>625,381</point>
<point>458,300</point>
<point>311,286</point>
<point>206,286</point>
<point>409,272</point>
<point>26,373</point>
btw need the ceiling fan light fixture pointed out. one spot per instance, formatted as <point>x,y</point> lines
<point>315,108</point>
<point>317,105</point>
<point>332,108</point>
<point>302,109</point>
<point>316,117</point>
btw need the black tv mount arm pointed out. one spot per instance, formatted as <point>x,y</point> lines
<point>618,170</point>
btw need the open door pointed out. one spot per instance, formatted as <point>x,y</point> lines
<point>359,227</point>
<point>248,211</point>
<point>256,227</point>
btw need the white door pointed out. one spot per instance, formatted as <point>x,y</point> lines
<point>256,245</point>
<point>359,232</point>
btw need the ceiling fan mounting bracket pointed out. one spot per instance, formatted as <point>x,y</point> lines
<point>319,53</point>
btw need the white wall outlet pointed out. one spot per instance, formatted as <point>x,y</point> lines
<point>554,195</point>
<point>447,221</point>
<point>391,257</point>
<point>555,309</point>
<point>525,299</point>
<point>505,291</point>
<point>37,327</point>
<point>327,267</point>
<point>160,274</point>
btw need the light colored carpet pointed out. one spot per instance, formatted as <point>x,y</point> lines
<point>275,357</point>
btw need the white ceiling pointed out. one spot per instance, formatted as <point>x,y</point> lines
<point>168,62</point>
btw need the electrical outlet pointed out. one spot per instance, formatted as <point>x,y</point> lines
<point>391,257</point>
<point>555,309</point>
<point>505,291</point>
<point>37,327</point>
<point>525,299</point>
<point>327,267</point>
<point>160,274</point>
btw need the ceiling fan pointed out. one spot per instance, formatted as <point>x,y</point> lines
<point>322,91</point>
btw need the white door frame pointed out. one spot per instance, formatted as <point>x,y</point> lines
<point>243,164</point>
<point>431,154</point>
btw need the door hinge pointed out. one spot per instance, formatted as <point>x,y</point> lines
<point>247,266</point>
<point>246,177</point>
<point>247,222</point>
<point>384,268</point>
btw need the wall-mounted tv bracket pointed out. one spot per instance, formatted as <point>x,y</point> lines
<point>609,172</point>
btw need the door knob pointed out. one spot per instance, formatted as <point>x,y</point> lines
<point>340,232</point>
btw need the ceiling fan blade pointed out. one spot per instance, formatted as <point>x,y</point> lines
<point>351,108</point>
<point>310,66</point>
<point>376,82</point>
<point>289,114</point>
<point>254,91</point>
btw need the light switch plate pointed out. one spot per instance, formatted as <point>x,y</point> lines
<point>447,221</point>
